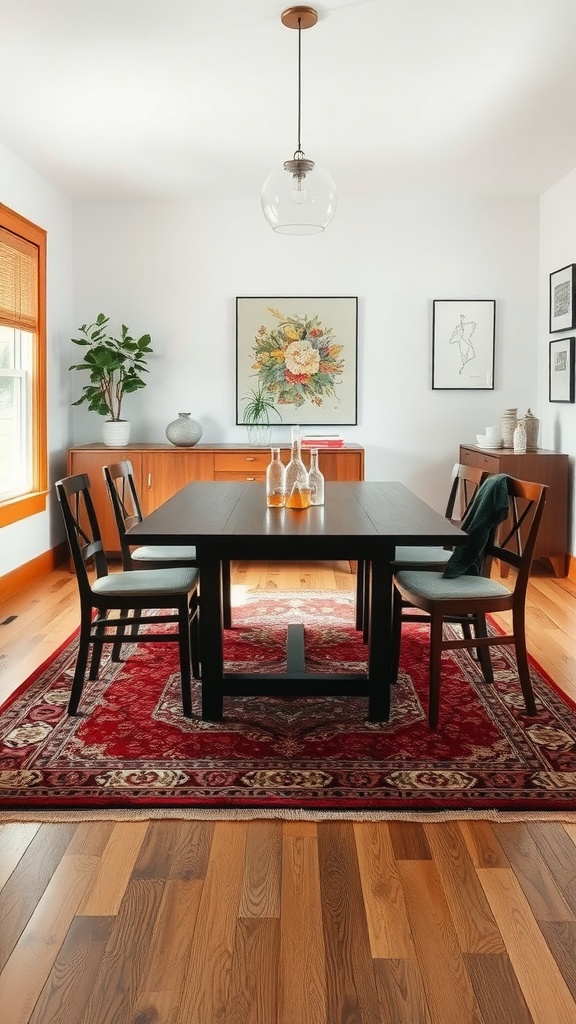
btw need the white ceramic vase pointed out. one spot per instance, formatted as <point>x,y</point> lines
<point>519,439</point>
<point>116,433</point>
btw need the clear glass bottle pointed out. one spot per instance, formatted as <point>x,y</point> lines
<point>296,480</point>
<point>315,480</point>
<point>275,481</point>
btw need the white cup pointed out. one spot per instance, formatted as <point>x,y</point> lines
<point>493,435</point>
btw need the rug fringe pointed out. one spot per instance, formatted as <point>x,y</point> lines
<point>253,814</point>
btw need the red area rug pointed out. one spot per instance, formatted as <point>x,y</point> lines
<point>132,748</point>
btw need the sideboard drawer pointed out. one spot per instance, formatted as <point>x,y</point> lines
<point>247,475</point>
<point>479,460</point>
<point>246,463</point>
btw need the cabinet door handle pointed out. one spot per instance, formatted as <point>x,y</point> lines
<point>250,458</point>
<point>149,481</point>
<point>250,477</point>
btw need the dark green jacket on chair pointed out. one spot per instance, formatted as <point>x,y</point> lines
<point>488,508</point>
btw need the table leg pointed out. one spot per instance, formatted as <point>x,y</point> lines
<point>380,638</point>
<point>211,639</point>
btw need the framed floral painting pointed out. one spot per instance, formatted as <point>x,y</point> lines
<point>302,354</point>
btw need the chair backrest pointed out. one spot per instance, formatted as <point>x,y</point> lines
<point>515,540</point>
<point>121,487</point>
<point>465,482</point>
<point>82,530</point>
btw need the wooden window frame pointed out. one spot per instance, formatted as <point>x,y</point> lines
<point>14,509</point>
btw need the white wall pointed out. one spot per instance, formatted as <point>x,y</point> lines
<point>557,249</point>
<point>28,194</point>
<point>175,268</point>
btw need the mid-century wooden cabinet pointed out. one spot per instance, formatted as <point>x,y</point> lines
<point>542,467</point>
<point>161,470</point>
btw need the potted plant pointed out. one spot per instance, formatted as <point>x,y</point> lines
<point>115,366</point>
<point>256,415</point>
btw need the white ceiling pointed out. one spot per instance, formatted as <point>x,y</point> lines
<point>182,98</point>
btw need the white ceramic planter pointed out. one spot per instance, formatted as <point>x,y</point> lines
<point>116,433</point>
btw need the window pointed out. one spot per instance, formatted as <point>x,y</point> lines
<point>23,441</point>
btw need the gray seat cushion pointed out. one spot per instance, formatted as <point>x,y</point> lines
<point>435,587</point>
<point>417,557</point>
<point>161,553</point>
<point>148,583</point>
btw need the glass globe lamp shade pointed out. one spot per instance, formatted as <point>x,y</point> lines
<point>299,198</point>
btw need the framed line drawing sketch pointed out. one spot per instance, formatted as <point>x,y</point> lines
<point>302,353</point>
<point>463,335</point>
<point>561,370</point>
<point>563,299</point>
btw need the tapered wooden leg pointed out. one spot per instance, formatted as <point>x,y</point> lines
<point>185,658</point>
<point>435,667</point>
<point>518,626</point>
<point>81,663</point>
<point>481,629</point>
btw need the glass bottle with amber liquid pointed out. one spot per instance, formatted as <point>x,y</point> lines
<point>275,481</point>
<point>296,481</point>
<point>315,480</point>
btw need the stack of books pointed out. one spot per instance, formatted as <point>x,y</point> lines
<point>322,441</point>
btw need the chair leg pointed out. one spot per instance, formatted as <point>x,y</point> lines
<point>436,624</point>
<point>481,629</point>
<point>81,663</point>
<point>99,628</point>
<point>185,658</point>
<point>194,636</point>
<point>121,632</point>
<point>518,626</point>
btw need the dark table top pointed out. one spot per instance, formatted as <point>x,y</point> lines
<point>357,520</point>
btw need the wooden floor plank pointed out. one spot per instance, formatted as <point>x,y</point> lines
<point>497,990</point>
<point>383,896</point>
<point>449,993</point>
<point>121,974</point>
<point>174,849</point>
<point>545,991</point>
<point>483,847</point>
<point>37,948</point>
<point>475,925</point>
<point>114,869</point>
<point>253,994</point>
<point>302,994</point>
<point>531,870</point>
<point>401,992</point>
<point>73,976</point>
<point>352,992</point>
<point>15,839</point>
<point>27,883</point>
<point>261,889</point>
<point>205,993</point>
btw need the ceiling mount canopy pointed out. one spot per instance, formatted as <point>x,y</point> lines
<point>299,198</point>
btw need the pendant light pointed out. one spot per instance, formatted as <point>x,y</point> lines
<point>299,198</point>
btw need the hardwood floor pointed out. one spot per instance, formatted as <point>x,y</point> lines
<point>281,921</point>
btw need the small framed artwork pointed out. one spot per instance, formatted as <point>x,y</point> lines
<point>463,335</point>
<point>561,369</point>
<point>563,299</point>
<point>301,354</point>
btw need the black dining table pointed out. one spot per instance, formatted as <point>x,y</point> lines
<point>359,521</point>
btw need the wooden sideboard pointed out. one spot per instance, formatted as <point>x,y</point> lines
<point>543,467</point>
<point>160,470</point>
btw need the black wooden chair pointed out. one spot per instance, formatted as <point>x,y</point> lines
<point>125,502</point>
<point>102,592</point>
<point>469,598</point>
